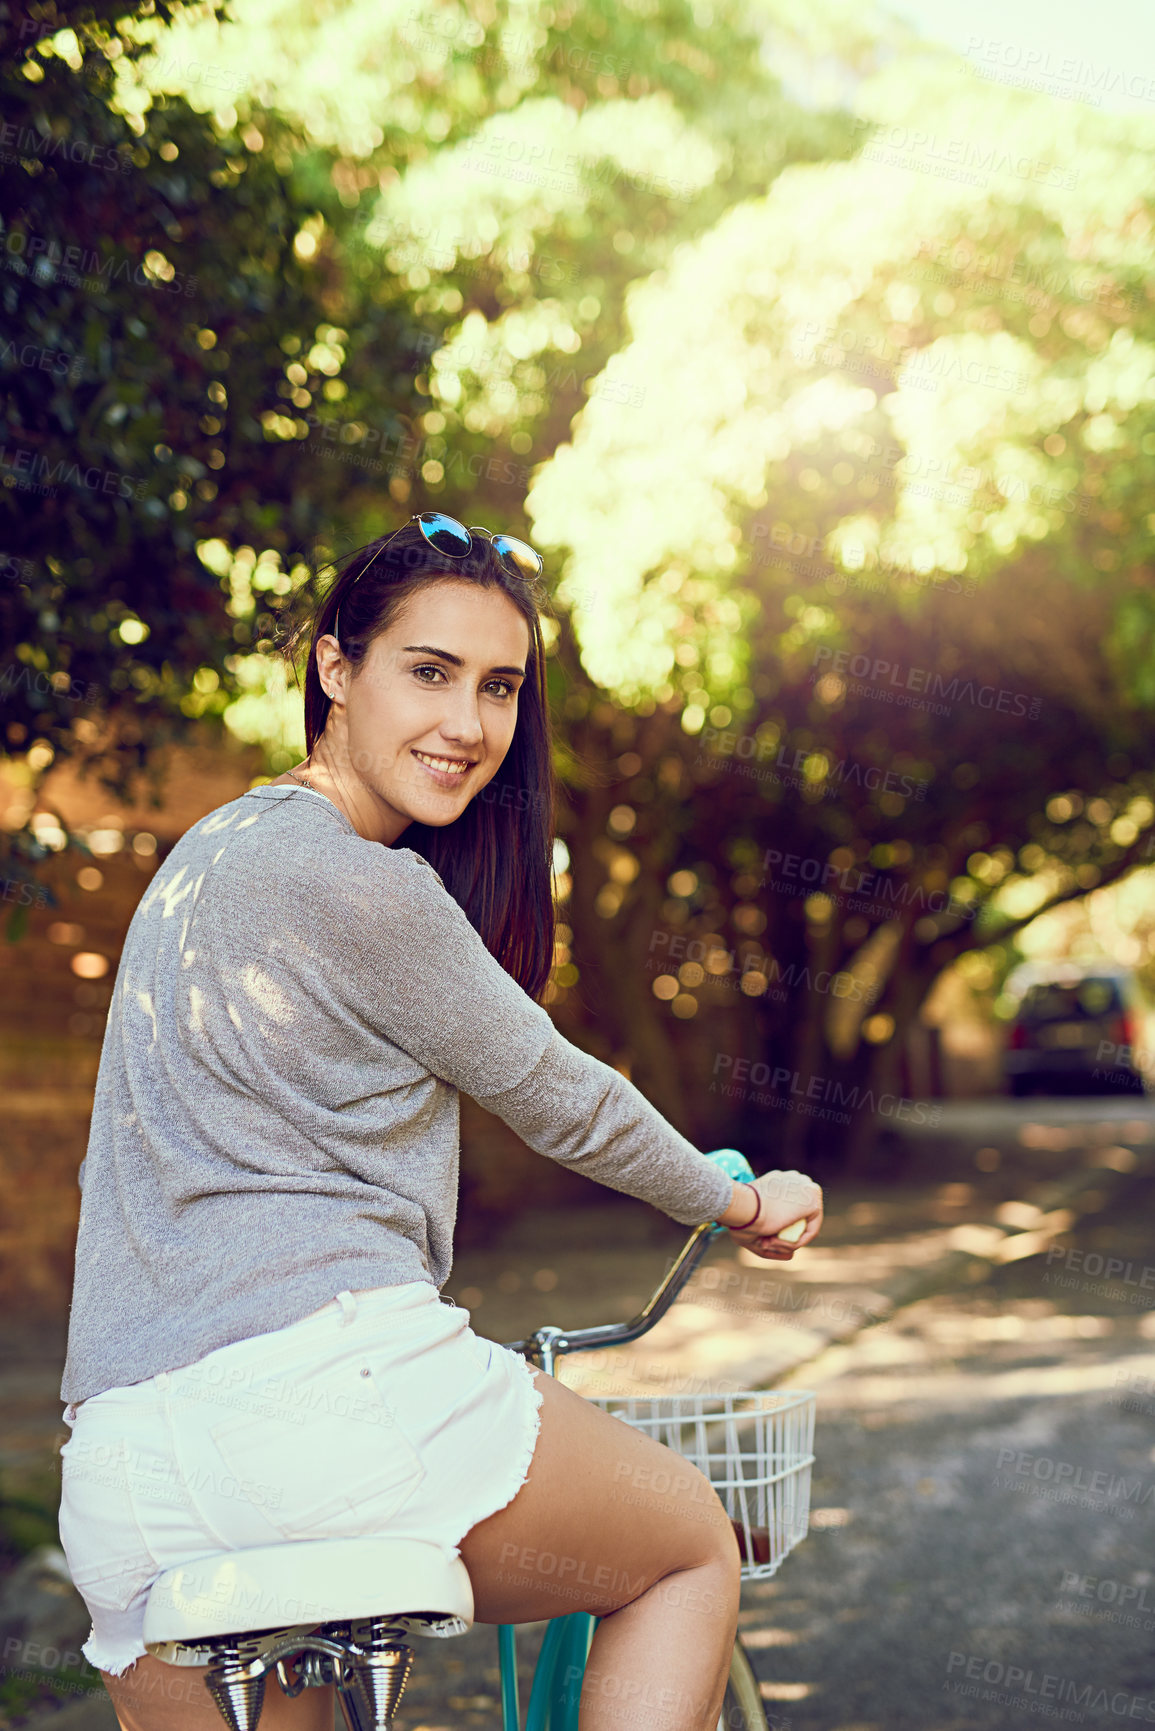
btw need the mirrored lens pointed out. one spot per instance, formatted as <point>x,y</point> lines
<point>444,533</point>
<point>527,561</point>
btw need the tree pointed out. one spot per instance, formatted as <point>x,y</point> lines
<point>155,295</point>
<point>882,511</point>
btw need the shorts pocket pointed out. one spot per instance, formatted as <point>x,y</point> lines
<point>326,1458</point>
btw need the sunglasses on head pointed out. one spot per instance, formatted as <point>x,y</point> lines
<point>446,535</point>
<point>453,540</point>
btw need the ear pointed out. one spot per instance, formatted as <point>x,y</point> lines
<point>331,666</point>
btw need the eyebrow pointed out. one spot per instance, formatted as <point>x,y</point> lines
<point>455,660</point>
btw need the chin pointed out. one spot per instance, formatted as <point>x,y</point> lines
<point>437,813</point>
<point>438,819</point>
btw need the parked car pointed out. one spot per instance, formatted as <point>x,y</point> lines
<point>1080,1028</point>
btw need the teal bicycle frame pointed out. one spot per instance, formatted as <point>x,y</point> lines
<point>557,1680</point>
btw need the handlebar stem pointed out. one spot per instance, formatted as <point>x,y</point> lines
<point>546,1345</point>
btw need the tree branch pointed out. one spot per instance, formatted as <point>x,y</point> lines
<point>1130,857</point>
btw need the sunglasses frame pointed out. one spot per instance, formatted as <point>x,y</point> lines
<point>469,531</point>
<point>418,518</point>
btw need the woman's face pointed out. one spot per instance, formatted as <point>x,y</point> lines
<point>429,714</point>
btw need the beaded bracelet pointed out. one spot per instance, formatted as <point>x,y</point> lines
<point>757,1210</point>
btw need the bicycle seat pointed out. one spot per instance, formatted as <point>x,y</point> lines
<point>303,1583</point>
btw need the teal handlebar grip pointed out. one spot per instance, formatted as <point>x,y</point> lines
<point>734,1165</point>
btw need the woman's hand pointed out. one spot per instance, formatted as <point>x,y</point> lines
<point>786,1197</point>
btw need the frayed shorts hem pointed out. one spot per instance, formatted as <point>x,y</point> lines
<point>519,1469</point>
<point>157,1474</point>
<point>112,1656</point>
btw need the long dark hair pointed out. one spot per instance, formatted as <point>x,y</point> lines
<point>496,859</point>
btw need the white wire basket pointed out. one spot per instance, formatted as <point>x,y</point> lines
<point>756,1449</point>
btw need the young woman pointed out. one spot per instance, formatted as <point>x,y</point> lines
<point>257,1350</point>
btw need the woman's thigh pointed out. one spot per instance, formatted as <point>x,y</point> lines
<point>604,1513</point>
<point>154,1696</point>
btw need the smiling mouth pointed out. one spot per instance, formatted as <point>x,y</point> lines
<point>445,765</point>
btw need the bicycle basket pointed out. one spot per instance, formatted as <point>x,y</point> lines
<point>756,1449</point>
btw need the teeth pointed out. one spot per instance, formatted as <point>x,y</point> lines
<point>447,764</point>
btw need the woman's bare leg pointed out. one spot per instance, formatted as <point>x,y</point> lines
<point>608,1521</point>
<point>611,1522</point>
<point>153,1696</point>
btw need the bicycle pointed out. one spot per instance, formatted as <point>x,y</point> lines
<point>340,1611</point>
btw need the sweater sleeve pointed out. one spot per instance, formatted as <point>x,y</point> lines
<point>415,969</point>
<point>575,1109</point>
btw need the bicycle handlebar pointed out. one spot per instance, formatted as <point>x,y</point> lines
<point>546,1345</point>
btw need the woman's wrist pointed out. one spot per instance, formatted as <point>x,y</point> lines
<point>745,1207</point>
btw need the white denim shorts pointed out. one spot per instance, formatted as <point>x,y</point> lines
<point>382,1412</point>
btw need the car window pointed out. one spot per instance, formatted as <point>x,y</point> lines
<point>1098,997</point>
<point>1051,1002</point>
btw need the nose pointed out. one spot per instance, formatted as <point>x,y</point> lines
<point>461,723</point>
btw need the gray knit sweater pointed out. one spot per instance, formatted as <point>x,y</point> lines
<point>276,1112</point>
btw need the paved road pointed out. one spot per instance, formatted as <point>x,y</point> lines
<point>985,1507</point>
